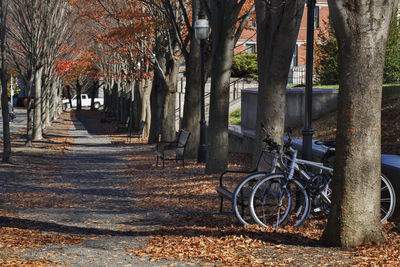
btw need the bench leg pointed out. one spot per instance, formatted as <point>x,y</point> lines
<point>242,202</point>
<point>221,204</point>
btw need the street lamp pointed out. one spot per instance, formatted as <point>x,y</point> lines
<point>201,29</point>
<point>308,131</point>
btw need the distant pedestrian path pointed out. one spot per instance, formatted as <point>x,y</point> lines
<point>19,121</point>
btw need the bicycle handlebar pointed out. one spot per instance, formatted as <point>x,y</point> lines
<point>269,141</point>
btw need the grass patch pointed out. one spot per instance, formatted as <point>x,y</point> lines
<point>235,117</point>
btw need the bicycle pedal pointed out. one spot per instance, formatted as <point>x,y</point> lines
<point>317,210</point>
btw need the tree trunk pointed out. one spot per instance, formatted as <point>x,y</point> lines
<point>69,95</point>
<point>94,93</point>
<point>37,113</point>
<point>157,99</point>
<point>78,95</point>
<point>226,26</point>
<point>46,107</point>
<point>361,28</point>
<point>169,113</point>
<point>222,55</point>
<point>191,109</point>
<point>55,103</point>
<point>132,85</point>
<point>145,91</point>
<point>3,77</point>
<point>5,114</point>
<point>168,123</point>
<point>278,25</point>
<point>29,110</point>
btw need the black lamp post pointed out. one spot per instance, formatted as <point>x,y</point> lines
<point>201,29</point>
<point>308,131</point>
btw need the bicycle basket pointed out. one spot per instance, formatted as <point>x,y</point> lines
<point>267,162</point>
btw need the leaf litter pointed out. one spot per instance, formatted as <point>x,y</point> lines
<point>193,231</point>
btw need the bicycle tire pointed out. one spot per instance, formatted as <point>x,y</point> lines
<point>275,201</point>
<point>241,195</point>
<point>388,198</point>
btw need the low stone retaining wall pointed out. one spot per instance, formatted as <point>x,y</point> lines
<point>324,101</point>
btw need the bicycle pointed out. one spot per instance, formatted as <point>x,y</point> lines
<point>290,197</point>
<point>388,195</point>
<point>270,156</point>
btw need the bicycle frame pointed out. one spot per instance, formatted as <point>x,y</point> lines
<point>295,166</point>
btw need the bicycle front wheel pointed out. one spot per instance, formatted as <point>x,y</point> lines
<point>275,201</point>
<point>388,199</point>
<point>241,197</point>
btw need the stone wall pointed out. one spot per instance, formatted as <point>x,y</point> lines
<point>324,101</point>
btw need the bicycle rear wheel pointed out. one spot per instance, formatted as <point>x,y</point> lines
<point>241,197</point>
<point>275,201</point>
<point>388,199</point>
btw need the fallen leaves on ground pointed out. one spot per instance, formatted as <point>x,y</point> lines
<point>13,242</point>
<point>184,201</point>
<point>16,238</point>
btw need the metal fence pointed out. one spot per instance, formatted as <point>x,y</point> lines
<point>297,75</point>
<point>236,86</point>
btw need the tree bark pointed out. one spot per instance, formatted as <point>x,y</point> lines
<point>157,99</point>
<point>29,110</point>
<point>37,113</point>
<point>3,77</point>
<point>278,24</point>
<point>46,107</point>
<point>78,95</point>
<point>224,23</point>
<point>191,109</point>
<point>95,87</point>
<point>169,116</point>
<point>361,27</point>
<point>223,26</point>
<point>145,91</point>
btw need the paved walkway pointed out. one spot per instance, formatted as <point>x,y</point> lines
<point>96,202</point>
<point>19,121</point>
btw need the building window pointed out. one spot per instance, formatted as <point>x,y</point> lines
<point>295,62</point>
<point>316,17</point>
<point>252,23</point>
<point>250,48</point>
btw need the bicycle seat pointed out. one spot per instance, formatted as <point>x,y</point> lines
<point>330,144</point>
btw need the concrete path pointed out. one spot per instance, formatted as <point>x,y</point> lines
<point>19,121</point>
<point>96,204</point>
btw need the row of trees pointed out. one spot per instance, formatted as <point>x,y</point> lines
<point>134,49</point>
<point>32,35</point>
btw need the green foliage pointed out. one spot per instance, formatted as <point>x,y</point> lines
<point>392,61</point>
<point>245,65</point>
<point>326,51</point>
<point>16,88</point>
<point>235,117</point>
<point>326,62</point>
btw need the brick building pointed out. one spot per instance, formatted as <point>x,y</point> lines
<point>248,40</point>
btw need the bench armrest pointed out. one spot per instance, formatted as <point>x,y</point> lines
<point>165,145</point>
<point>232,171</point>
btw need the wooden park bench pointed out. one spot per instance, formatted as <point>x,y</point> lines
<point>138,133</point>
<point>121,127</point>
<point>173,150</point>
